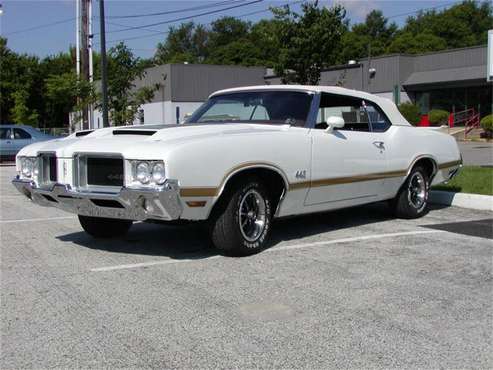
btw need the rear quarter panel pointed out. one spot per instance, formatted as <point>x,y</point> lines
<point>407,144</point>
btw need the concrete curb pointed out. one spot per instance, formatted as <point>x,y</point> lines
<point>463,200</point>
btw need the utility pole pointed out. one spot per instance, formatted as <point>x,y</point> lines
<point>77,54</point>
<point>104,65</point>
<point>91,65</point>
<point>85,57</point>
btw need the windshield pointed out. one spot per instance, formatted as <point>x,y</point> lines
<point>269,107</point>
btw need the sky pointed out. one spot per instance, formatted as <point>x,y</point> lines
<point>57,19</point>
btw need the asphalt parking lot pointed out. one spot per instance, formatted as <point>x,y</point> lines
<point>347,289</point>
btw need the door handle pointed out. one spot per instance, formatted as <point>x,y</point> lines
<point>379,144</point>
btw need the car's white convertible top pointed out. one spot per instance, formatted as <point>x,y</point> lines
<point>387,105</point>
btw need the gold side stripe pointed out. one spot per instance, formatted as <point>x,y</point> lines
<point>211,192</point>
<point>346,180</point>
<point>449,164</point>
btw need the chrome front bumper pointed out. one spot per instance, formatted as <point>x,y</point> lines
<point>131,204</point>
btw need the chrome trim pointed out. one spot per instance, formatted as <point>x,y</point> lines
<point>424,156</point>
<point>138,204</point>
<point>311,119</point>
<point>44,168</point>
<point>80,172</point>
<point>252,216</point>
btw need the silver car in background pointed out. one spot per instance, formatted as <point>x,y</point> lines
<point>14,137</point>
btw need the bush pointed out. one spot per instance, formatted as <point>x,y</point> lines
<point>487,123</point>
<point>410,112</point>
<point>438,117</point>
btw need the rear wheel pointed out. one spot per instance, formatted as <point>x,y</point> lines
<point>99,227</point>
<point>412,199</point>
<point>241,222</point>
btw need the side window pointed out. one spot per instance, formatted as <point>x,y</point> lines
<point>21,134</point>
<point>352,110</point>
<point>4,133</point>
<point>379,122</point>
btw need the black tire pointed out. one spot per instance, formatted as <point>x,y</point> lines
<point>227,234</point>
<point>99,227</point>
<point>412,199</point>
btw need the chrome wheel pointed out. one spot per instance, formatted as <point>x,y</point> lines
<point>416,193</point>
<point>252,216</point>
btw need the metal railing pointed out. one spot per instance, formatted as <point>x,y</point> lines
<point>468,118</point>
<point>55,131</point>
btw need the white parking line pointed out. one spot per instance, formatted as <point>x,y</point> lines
<point>355,239</point>
<point>285,247</point>
<point>151,263</point>
<point>36,219</point>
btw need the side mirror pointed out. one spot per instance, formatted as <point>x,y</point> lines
<point>334,122</point>
<point>185,118</point>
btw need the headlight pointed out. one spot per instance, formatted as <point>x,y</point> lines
<point>149,172</point>
<point>26,167</point>
<point>142,172</point>
<point>158,173</point>
<point>29,167</point>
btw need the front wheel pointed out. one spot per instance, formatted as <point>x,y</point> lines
<point>412,199</point>
<point>241,223</point>
<point>99,227</point>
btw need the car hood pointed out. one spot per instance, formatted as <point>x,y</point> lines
<point>135,142</point>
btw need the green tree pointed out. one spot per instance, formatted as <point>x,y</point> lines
<point>124,99</point>
<point>18,83</point>
<point>408,43</point>
<point>373,36</point>
<point>462,25</point>
<point>226,30</point>
<point>263,36</point>
<point>185,43</point>
<point>21,113</point>
<point>66,93</point>
<point>308,41</point>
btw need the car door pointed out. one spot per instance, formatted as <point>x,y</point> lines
<point>349,164</point>
<point>6,142</point>
<point>21,138</point>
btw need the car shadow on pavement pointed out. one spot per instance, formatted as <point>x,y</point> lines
<point>191,241</point>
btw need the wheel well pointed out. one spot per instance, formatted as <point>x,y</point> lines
<point>273,181</point>
<point>429,165</point>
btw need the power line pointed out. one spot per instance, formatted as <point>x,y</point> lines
<point>40,26</point>
<point>125,26</point>
<point>420,10</point>
<point>268,9</point>
<point>187,17</point>
<point>200,7</point>
<point>206,24</point>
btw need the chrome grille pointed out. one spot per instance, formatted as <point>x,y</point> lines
<point>99,173</point>
<point>47,168</point>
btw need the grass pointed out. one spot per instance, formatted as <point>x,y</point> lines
<point>471,179</point>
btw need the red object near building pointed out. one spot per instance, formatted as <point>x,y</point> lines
<point>425,121</point>
<point>451,120</point>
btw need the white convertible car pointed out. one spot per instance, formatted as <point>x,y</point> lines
<point>246,156</point>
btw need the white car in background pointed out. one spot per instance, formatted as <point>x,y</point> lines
<point>247,156</point>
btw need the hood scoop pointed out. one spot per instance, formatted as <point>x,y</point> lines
<point>83,133</point>
<point>134,132</point>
